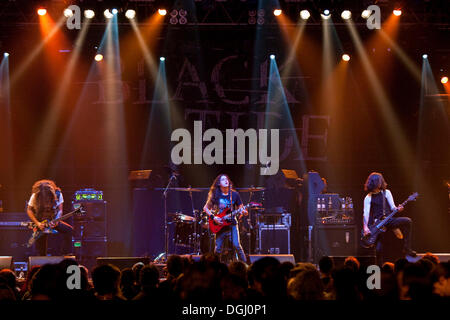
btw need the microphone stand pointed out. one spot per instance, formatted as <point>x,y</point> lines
<point>249,222</point>
<point>196,236</point>
<point>166,233</point>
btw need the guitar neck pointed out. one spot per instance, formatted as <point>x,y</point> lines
<point>382,223</point>
<point>235,212</point>
<point>66,216</point>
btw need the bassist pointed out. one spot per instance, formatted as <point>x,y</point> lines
<point>378,203</point>
<point>222,196</point>
<point>46,203</point>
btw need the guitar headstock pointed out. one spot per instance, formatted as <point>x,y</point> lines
<point>413,197</point>
<point>79,211</point>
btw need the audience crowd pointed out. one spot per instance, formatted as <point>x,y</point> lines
<point>210,280</point>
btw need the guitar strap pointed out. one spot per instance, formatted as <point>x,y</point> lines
<point>384,202</point>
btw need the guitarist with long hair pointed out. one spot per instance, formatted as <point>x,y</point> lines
<point>46,203</point>
<point>379,203</point>
<point>221,196</point>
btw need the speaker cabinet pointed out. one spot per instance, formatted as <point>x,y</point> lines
<point>95,210</point>
<point>274,240</point>
<point>12,243</point>
<point>122,262</point>
<point>89,229</point>
<point>280,257</point>
<point>6,262</point>
<point>334,240</point>
<point>88,250</point>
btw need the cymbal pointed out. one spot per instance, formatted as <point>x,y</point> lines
<point>251,189</point>
<point>174,214</point>
<point>181,217</point>
<point>185,189</point>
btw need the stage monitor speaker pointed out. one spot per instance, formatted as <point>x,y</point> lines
<point>364,261</point>
<point>6,262</point>
<point>122,262</point>
<point>41,260</point>
<point>280,257</point>
<point>193,257</point>
<point>334,240</point>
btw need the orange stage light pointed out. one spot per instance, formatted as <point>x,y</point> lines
<point>277,12</point>
<point>444,80</point>
<point>42,11</point>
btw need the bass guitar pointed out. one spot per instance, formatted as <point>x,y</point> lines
<point>49,225</point>
<point>227,216</point>
<point>378,226</point>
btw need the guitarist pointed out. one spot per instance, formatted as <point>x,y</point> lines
<point>46,203</point>
<point>222,196</point>
<point>378,203</point>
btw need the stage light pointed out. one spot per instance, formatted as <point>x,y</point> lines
<point>272,56</point>
<point>444,80</point>
<point>162,59</point>
<point>345,57</point>
<point>108,14</point>
<point>42,11</point>
<point>304,14</point>
<point>366,14</point>
<point>162,12</point>
<point>326,14</point>
<point>68,13</point>
<point>130,14</point>
<point>98,57</point>
<point>397,12</point>
<point>346,14</point>
<point>6,54</point>
<point>89,14</point>
<point>115,11</point>
<point>277,12</point>
<point>425,56</point>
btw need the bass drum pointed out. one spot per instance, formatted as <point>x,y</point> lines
<point>184,234</point>
<point>207,241</point>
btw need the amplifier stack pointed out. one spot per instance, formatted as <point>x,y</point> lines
<point>90,233</point>
<point>334,231</point>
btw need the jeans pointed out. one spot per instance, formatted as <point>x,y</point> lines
<point>231,231</point>
<point>65,230</point>
<point>405,225</point>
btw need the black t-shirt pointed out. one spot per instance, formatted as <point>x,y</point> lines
<point>376,207</point>
<point>224,201</point>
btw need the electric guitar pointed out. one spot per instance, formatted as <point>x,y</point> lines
<point>227,216</point>
<point>37,233</point>
<point>378,226</point>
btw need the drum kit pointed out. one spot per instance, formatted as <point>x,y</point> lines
<point>192,231</point>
